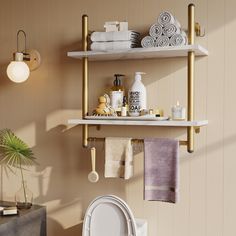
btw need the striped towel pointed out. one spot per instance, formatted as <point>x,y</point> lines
<point>114,36</point>
<point>118,157</point>
<point>118,45</point>
<point>161,169</point>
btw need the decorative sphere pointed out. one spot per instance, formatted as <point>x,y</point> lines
<point>18,71</point>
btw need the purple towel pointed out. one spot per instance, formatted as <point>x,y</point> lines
<point>161,169</point>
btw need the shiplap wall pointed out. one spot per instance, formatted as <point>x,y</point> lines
<point>34,110</point>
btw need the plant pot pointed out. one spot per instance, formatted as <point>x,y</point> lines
<point>24,197</point>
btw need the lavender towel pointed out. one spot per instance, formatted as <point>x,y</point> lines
<point>161,169</point>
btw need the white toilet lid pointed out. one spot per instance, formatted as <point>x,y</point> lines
<point>109,215</point>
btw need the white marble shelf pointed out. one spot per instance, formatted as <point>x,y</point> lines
<point>140,53</point>
<point>170,123</point>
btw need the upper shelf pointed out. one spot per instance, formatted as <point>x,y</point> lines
<point>140,53</point>
<point>168,123</point>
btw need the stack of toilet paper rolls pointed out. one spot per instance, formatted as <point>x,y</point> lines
<point>165,32</point>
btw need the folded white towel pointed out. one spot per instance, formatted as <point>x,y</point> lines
<point>114,36</point>
<point>148,42</point>
<point>118,158</point>
<point>106,46</point>
<point>170,29</point>
<point>156,30</point>
<point>166,17</point>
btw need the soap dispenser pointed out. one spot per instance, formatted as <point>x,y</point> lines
<point>117,93</point>
<point>137,96</point>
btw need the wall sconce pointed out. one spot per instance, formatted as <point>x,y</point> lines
<point>23,62</point>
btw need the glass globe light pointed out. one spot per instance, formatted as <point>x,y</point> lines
<point>18,71</point>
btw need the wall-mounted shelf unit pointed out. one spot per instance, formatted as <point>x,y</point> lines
<point>190,51</point>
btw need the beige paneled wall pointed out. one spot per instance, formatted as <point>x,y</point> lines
<point>38,109</point>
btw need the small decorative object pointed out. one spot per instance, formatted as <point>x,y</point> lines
<point>159,112</point>
<point>104,108</point>
<point>178,112</point>
<point>111,26</point>
<point>150,111</point>
<point>124,109</point>
<point>124,26</point>
<point>14,153</point>
<point>144,112</point>
<point>9,211</point>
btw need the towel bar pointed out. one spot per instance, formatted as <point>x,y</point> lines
<point>95,139</point>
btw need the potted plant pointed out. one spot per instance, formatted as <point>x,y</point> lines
<point>15,154</point>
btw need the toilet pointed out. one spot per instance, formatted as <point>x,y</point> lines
<point>111,216</point>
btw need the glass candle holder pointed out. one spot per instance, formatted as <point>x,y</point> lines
<point>24,197</point>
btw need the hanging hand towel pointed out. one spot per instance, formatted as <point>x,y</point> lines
<point>161,169</point>
<point>118,158</point>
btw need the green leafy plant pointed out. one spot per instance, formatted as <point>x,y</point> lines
<point>15,154</point>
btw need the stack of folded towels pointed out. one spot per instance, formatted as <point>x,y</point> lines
<point>165,32</point>
<point>114,40</point>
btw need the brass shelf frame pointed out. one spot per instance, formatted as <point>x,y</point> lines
<point>193,28</point>
<point>85,34</point>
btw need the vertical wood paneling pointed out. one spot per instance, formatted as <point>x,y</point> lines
<point>215,113</point>
<point>181,211</point>
<point>229,162</point>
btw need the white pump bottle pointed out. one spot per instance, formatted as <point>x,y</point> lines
<point>137,96</point>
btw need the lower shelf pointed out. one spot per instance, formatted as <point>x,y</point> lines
<point>170,123</point>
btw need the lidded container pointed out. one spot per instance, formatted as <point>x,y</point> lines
<point>24,197</point>
<point>137,96</point>
<point>117,93</point>
<point>178,112</point>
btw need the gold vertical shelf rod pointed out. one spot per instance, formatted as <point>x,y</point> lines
<point>85,78</point>
<point>190,86</point>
